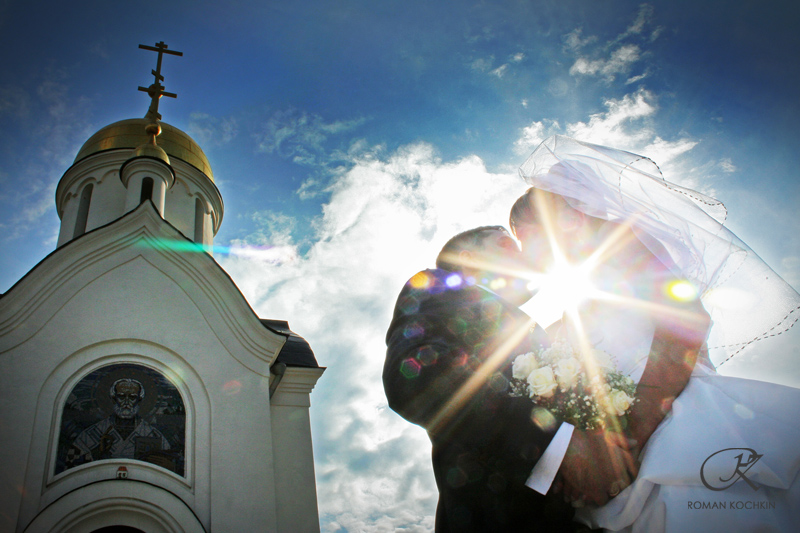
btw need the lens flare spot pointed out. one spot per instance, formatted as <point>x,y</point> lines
<point>743,412</point>
<point>543,418</point>
<point>456,478</point>
<point>410,368</point>
<point>409,306</point>
<point>427,355</point>
<point>420,280</point>
<point>682,290</point>
<point>413,330</point>
<point>498,382</point>
<point>453,281</point>
<point>232,387</point>
<point>497,284</point>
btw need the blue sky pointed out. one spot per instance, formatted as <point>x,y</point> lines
<point>349,139</point>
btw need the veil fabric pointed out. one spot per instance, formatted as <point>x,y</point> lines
<point>746,299</point>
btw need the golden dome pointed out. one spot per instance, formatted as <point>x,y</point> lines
<point>131,134</point>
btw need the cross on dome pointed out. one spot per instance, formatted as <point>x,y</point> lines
<point>156,90</point>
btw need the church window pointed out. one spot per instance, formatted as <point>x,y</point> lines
<point>83,211</point>
<point>123,411</point>
<point>147,190</point>
<point>199,220</point>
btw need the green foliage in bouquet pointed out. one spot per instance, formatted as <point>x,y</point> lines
<point>584,389</point>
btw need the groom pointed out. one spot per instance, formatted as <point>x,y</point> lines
<point>455,332</point>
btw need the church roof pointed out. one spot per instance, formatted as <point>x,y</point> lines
<point>131,133</point>
<point>296,351</point>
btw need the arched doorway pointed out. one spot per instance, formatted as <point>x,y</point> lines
<point>117,506</point>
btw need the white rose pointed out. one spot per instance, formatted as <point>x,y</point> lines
<point>542,382</point>
<point>618,402</point>
<point>523,365</point>
<point>568,371</point>
<point>559,349</point>
<point>602,359</point>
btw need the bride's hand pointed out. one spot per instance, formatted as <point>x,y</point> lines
<point>596,467</point>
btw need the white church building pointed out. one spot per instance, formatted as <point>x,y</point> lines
<point>139,391</point>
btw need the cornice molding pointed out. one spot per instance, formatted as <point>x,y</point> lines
<point>33,300</point>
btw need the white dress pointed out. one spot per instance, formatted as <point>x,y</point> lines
<point>712,414</point>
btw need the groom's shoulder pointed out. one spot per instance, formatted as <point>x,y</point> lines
<point>435,291</point>
<point>437,284</point>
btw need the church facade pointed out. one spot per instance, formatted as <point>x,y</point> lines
<point>138,388</point>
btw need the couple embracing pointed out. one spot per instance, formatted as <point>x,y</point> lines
<point>653,429</point>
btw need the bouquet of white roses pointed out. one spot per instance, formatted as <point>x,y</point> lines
<point>585,390</point>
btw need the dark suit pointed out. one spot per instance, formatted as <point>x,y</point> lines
<point>485,448</point>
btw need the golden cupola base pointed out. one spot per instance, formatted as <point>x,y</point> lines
<point>131,133</point>
<point>135,160</point>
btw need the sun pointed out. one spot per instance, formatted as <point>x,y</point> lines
<point>563,288</point>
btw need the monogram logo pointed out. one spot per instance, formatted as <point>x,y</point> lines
<point>724,468</point>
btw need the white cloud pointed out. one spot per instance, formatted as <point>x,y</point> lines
<point>310,188</point>
<point>57,126</point>
<point>574,42</point>
<point>664,152</point>
<point>618,62</point>
<point>622,124</point>
<point>500,71</point>
<point>486,34</point>
<point>727,165</point>
<point>65,126</point>
<point>299,135</point>
<point>482,64</point>
<point>644,16</point>
<point>273,229</point>
<point>486,64</point>
<point>638,27</point>
<point>387,217</point>
<point>612,58</point>
<point>656,33</point>
<point>634,79</point>
<point>625,124</point>
<point>533,135</point>
<point>206,129</point>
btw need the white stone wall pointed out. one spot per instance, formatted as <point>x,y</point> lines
<point>295,484</point>
<point>105,298</point>
<point>111,200</point>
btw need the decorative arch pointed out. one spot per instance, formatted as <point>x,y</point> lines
<point>123,411</point>
<point>117,503</point>
<point>43,488</point>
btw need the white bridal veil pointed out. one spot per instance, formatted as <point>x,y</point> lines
<point>747,300</point>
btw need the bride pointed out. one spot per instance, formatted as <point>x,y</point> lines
<point>641,261</point>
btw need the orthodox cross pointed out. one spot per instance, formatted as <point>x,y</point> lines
<point>156,90</point>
